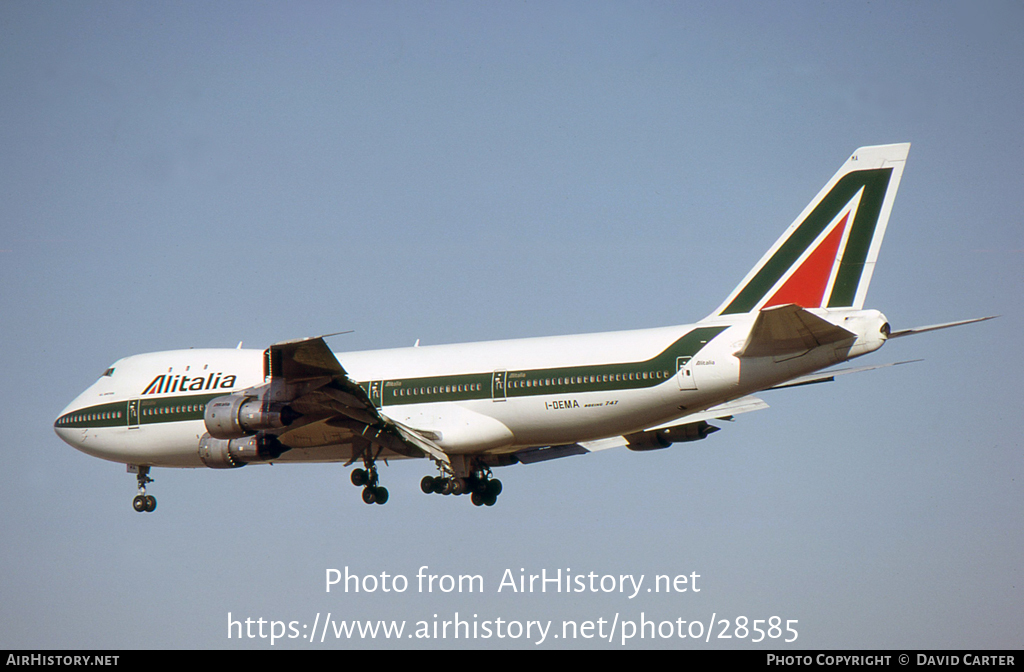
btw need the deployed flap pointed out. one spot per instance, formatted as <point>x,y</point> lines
<point>789,330</point>
<point>410,435</point>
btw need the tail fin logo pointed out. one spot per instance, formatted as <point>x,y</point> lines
<point>825,259</point>
<point>810,279</point>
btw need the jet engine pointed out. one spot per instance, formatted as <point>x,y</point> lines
<point>236,415</point>
<point>230,454</point>
<point>663,438</point>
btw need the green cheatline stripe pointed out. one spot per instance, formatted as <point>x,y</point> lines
<point>152,410</point>
<point>538,382</point>
<point>460,387</point>
<point>874,182</point>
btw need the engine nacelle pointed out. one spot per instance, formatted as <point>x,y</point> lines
<point>647,441</point>
<point>499,460</point>
<point>695,431</point>
<point>230,454</point>
<point>663,438</point>
<point>236,415</point>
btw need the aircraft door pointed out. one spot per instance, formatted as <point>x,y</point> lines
<point>684,373</point>
<point>498,385</point>
<point>133,413</point>
<point>376,392</point>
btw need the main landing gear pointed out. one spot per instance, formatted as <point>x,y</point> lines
<point>481,486</point>
<point>367,478</point>
<point>143,503</point>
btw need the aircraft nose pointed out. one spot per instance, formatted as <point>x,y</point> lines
<point>65,427</point>
<point>75,421</point>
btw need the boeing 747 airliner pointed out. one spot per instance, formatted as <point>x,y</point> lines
<point>473,406</point>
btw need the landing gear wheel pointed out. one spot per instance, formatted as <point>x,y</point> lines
<point>142,502</point>
<point>485,489</point>
<point>427,485</point>
<point>367,479</point>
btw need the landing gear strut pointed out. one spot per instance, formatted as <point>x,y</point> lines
<point>143,503</point>
<point>367,479</point>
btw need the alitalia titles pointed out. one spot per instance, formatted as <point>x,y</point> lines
<point>167,383</point>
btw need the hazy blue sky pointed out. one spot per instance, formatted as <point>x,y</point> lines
<point>197,174</point>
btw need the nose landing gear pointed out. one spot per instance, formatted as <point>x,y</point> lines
<point>142,503</point>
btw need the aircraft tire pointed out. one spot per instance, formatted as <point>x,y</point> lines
<point>359,477</point>
<point>150,503</point>
<point>477,499</point>
<point>139,503</point>
<point>427,485</point>
<point>381,495</point>
<point>369,496</point>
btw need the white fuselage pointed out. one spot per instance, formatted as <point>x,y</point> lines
<point>491,397</point>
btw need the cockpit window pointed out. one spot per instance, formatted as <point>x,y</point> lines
<point>109,372</point>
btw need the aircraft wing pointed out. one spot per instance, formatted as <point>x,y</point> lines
<point>307,376</point>
<point>690,428</point>
<point>721,412</point>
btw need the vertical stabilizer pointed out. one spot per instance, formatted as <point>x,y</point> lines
<point>826,257</point>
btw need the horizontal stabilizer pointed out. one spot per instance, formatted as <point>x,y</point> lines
<point>829,376</point>
<point>789,331</point>
<point>934,327</point>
